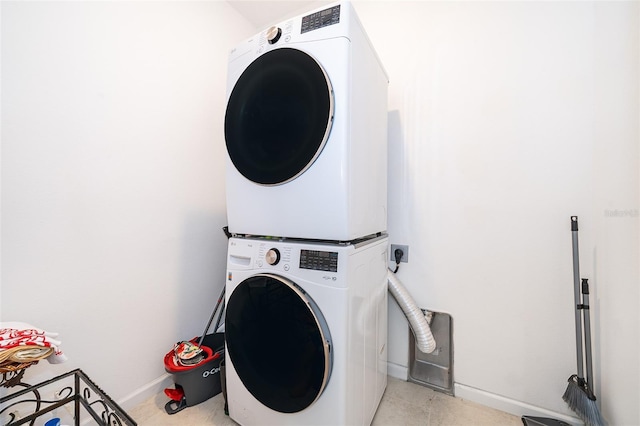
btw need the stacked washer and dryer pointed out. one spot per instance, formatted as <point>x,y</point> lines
<point>306,180</point>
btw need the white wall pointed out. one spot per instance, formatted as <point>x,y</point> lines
<point>506,118</point>
<point>113,178</point>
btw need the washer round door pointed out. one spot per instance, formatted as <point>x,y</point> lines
<point>279,116</point>
<point>279,342</point>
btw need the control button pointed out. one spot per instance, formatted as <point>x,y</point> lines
<point>273,35</point>
<point>286,267</point>
<point>273,256</point>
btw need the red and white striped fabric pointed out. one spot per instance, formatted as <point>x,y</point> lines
<point>20,339</point>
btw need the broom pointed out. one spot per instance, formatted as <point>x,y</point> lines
<point>579,394</point>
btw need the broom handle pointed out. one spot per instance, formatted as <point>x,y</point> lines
<point>587,332</point>
<point>576,295</point>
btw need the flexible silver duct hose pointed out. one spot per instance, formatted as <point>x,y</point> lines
<point>417,321</point>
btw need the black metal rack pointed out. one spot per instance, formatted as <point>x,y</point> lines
<point>75,389</point>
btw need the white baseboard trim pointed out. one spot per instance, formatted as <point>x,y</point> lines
<point>398,371</point>
<point>511,406</point>
<point>145,392</point>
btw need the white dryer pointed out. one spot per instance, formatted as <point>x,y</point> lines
<point>306,130</point>
<point>306,331</point>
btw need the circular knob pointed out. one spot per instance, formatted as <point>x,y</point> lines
<point>273,256</point>
<point>273,35</point>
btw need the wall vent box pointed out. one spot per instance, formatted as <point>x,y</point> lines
<point>434,370</point>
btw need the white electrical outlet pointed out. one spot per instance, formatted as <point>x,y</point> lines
<point>405,253</point>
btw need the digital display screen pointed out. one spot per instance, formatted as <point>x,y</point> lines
<point>319,260</point>
<point>320,19</point>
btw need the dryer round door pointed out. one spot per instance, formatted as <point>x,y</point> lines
<point>279,342</point>
<point>279,116</point>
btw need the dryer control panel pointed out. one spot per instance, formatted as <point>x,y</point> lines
<point>321,19</point>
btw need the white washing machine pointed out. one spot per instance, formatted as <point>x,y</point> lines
<point>306,130</point>
<point>306,331</point>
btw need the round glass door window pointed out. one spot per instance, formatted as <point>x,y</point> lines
<point>279,342</point>
<point>278,117</point>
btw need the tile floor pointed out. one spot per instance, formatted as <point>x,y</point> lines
<point>403,404</point>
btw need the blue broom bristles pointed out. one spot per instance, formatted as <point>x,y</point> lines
<point>582,401</point>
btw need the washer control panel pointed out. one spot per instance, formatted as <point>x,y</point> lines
<point>272,256</point>
<point>284,257</point>
<point>319,260</point>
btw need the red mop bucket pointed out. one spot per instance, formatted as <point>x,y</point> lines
<point>197,383</point>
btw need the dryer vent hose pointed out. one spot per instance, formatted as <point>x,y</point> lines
<point>417,321</point>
